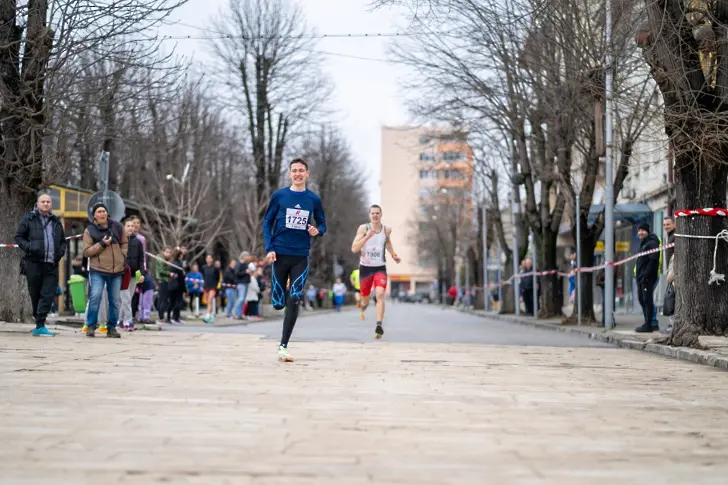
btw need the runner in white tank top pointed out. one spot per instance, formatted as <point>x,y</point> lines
<point>371,241</point>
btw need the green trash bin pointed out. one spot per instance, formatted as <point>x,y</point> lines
<point>77,287</point>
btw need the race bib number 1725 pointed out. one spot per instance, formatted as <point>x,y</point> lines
<point>297,219</point>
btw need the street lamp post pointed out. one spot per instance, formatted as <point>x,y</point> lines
<point>609,203</point>
<point>486,294</point>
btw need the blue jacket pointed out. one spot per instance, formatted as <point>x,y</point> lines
<point>285,226</point>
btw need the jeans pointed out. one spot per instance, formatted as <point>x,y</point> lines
<point>338,301</point>
<point>242,295</point>
<point>113,289</point>
<point>230,295</point>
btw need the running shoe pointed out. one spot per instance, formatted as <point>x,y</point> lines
<point>43,332</point>
<point>379,331</point>
<point>103,329</point>
<point>283,355</point>
<point>361,314</point>
<point>85,327</point>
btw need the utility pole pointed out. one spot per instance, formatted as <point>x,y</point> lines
<point>609,203</point>
<point>486,293</point>
<point>515,209</point>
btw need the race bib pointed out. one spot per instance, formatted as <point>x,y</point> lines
<point>375,255</point>
<point>297,219</point>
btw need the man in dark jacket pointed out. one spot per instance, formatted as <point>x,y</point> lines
<point>646,273</point>
<point>40,235</point>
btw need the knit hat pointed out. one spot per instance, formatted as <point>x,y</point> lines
<point>644,227</point>
<point>97,206</point>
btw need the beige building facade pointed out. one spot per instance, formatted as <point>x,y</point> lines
<point>415,162</point>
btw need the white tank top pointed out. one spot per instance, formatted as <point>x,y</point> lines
<point>372,254</point>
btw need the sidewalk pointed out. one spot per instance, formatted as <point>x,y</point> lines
<point>623,335</point>
<point>192,408</point>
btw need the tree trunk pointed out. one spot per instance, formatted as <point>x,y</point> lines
<point>586,288</point>
<point>552,298</point>
<point>701,309</point>
<point>14,299</point>
<point>507,304</point>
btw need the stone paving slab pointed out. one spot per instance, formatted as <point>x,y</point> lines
<point>157,407</point>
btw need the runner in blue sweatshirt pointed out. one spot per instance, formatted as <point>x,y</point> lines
<point>287,231</point>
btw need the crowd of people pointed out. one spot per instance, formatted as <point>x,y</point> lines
<point>123,289</point>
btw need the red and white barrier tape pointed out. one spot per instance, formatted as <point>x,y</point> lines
<point>75,236</point>
<point>710,211</point>
<point>588,269</point>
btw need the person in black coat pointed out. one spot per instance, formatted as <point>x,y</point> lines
<point>647,271</point>
<point>41,237</point>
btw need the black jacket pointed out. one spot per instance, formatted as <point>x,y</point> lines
<point>228,276</point>
<point>30,237</point>
<point>135,255</point>
<point>241,274</point>
<point>211,277</point>
<point>648,266</point>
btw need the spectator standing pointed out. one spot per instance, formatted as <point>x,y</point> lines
<point>211,277</point>
<point>162,272</point>
<point>229,281</point>
<point>146,298</point>
<point>176,288</point>
<point>41,237</point>
<point>137,294</point>
<point>668,224</point>
<point>646,274</point>
<point>526,285</point>
<point>105,244</point>
<point>253,292</point>
<point>135,263</point>
<point>339,291</point>
<point>194,282</point>
<point>311,296</point>
<point>243,280</point>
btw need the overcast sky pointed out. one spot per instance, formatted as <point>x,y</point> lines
<point>367,95</point>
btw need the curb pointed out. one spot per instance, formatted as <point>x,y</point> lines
<point>681,353</point>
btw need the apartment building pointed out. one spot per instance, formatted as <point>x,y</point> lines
<point>417,164</point>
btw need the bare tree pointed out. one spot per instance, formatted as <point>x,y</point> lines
<point>266,62</point>
<point>682,44</point>
<point>38,42</point>
<point>337,179</point>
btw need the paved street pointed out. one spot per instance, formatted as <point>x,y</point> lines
<point>406,323</point>
<point>505,405</point>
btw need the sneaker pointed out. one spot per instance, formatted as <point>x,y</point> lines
<point>126,327</point>
<point>113,333</point>
<point>175,322</point>
<point>85,327</point>
<point>103,329</point>
<point>43,332</point>
<point>132,327</point>
<point>90,332</point>
<point>283,355</point>
<point>645,328</point>
<point>361,315</point>
<point>379,331</point>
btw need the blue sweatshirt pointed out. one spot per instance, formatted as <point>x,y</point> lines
<point>285,226</point>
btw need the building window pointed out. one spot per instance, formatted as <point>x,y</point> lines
<point>454,156</point>
<point>427,157</point>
